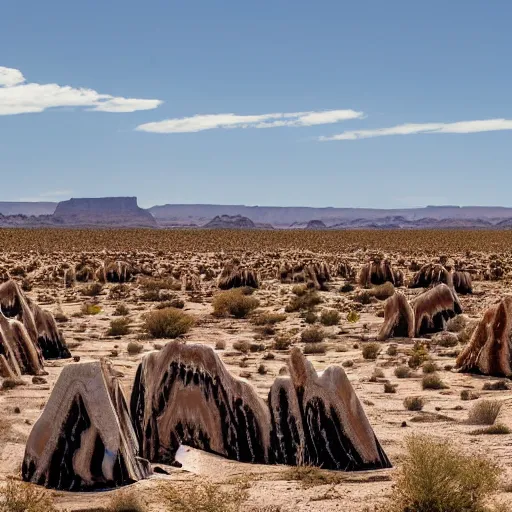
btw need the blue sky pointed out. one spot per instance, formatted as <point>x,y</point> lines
<point>324,70</point>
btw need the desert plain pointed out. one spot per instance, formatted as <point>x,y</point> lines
<point>181,268</point>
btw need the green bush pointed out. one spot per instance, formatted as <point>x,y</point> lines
<point>235,303</point>
<point>90,309</point>
<point>167,323</point>
<point>353,317</point>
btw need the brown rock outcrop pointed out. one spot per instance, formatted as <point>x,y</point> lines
<point>398,318</point>
<point>84,439</point>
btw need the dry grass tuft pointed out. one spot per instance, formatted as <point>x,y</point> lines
<point>167,323</point>
<point>18,496</point>
<point>233,303</point>
<point>436,477</point>
<point>484,412</point>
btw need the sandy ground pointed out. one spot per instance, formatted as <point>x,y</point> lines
<point>443,414</point>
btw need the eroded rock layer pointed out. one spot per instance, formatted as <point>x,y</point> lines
<point>319,420</point>
<point>433,309</point>
<point>185,395</point>
<point>398,318</point>
<point>234,276</point>
<point>378,272</point>
<point>40,324</point>
<point>489,349</point>
<point>84,438</point>
<point>18,353</point>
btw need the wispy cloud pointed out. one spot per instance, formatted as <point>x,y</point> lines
<point>19,97</point>
<point>50,195</point>
<point>486,125</point>
<point>199,123</point>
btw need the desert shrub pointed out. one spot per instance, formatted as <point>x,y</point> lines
<point>126,501</point>
<point>220,345</point>
<point>402,372</point>
<point>167,323</point>
<point>389,388</point>
<point>310,317</point>
<point>371,350</point>
<point>23,497</point>
<point>134,348</point>
<point>257,347</point>
<point>493,430</point>
<point>315,348</point>
<point>429,367</point>
<point>233,302</point>
<point>119,327</point>
<point>436,477</point>
<point>499,385</point>
<point>353,317</point>
<point>92,290</point>
<point>121,310</point>
<point>282,342</point>
<point>392,350</point>
<point>484,412</point>
<point>60,317</point>
<point>308,300</point>
<point>347,287</point>
<point>172,303</point>
<point>432,381</point>
<point>202,497</point>
<point>9,383</point>
<point>241,346</point>
<point>90,309</point>
<point>348,363</point>
<point>414,403</point>
<point>330,317</point>
<point>363,298</point>
<point>300,290</point>
<point>419,355</point>
<point>151,284</point>
<point>262,369</point>
<point>119,291</point>
<point>312,335</point>
<point>269,319</point>
<point>467,394</point>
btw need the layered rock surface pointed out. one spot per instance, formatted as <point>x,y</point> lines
<point>84,438</point>
<point>184,395</point>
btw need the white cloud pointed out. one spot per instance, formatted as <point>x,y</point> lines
<point>199,123</point>
<point>19,97</point>
<point>487,125</point>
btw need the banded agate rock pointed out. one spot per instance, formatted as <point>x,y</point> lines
<point>18,353</point>
<point>40,324</point>
<point>185,395</point>
<point>84,439</point>
<point>319,420</point>
<point>489,351</point>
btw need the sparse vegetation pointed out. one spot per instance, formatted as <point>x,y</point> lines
<point>434,476</point>
<point>312,335</point>
<point>304,301</point>
<point>353,317</point>
<point>121,310</point>
<point>330,317</point>
<point>18,496</point>
<point>484,412</point>
<point>90,309</point>
<point>234,303</point>
<point>432,381</point>
<point>414,403</point>
<point>134,348</point>
<point>371,350</point>
<point>119,327</point>
<point>315,348</point>
<point>167,323</point>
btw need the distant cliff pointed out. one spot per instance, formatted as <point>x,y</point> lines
<point>27,208</point>
<point>230,222</point>
<point>104,212</point>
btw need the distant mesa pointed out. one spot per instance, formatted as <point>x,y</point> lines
<point>103,211</point>
<point>316,224</point>
<point>230,222</point>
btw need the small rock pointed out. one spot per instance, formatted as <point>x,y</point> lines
<point>39,380</point>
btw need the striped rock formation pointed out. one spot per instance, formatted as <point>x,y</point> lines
<point>185,395</point>
<point>462,282</point>
<point>398,319</point>
<point>433,308</point>
<point>235,276</point>
<point>489,349</point>
<point>431,274</point>
<point>84,439</point>
<point>378,272</point>
<point>18,353</point>
<point>40,324</point>
<point>319,420</point>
